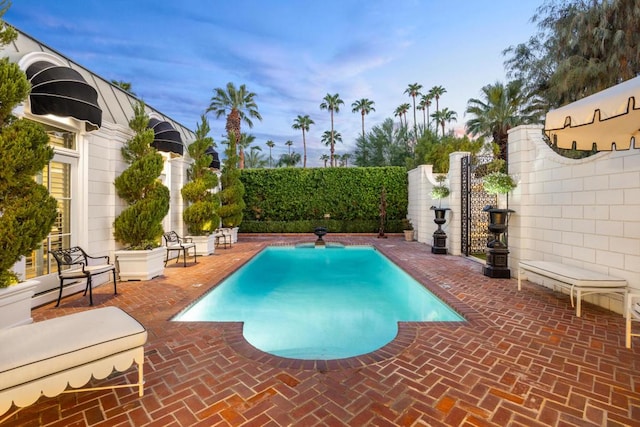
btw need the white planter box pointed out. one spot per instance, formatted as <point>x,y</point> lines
<point>15,304</point>
<point>234,235</point>
<point>141,265</point>
<point>205,245</point>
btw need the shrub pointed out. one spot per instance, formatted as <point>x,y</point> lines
<point>200,215</point>
<point>27,210</point>
<point>498,183</point>
<point>232,193</point>
<point>140,224</point>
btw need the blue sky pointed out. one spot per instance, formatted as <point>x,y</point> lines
<point>290,53</point>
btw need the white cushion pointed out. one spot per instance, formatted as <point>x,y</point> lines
<point>91,269</point>
<point>33,351</point>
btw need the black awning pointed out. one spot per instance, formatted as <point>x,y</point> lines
<point>167,138</point>
<point>61,91</point>
<point>215,162</point>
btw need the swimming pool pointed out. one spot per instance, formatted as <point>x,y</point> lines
<point>307,303</point>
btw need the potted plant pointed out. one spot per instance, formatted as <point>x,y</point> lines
<point>27,211</point>
<point>200,214</point>
<point>407,227</point>
<point>139,226</point>
<point>232,193</point>
<point>498,183</point>
<point>440,191</point>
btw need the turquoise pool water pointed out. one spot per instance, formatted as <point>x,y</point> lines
<point>307,303</point>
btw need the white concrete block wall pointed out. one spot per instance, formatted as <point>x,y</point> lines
<point>583,212</point>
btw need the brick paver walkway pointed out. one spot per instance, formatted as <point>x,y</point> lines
<point>521,359</point>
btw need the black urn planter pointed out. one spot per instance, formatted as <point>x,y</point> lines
<point>497,254</point>
<point>439,236</point>
<point>320,232</point>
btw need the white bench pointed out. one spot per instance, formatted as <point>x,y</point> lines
<point>632,314</point>
<point>44,358</point>
<point>580,282</point>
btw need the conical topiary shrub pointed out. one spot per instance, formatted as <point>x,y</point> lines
<point>232,192</point>
<point>139,226</point>
<point>200,215</point>
<point>27,210</point>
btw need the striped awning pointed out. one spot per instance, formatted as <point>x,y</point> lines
<point>167,138</point>
<point>62,91</point>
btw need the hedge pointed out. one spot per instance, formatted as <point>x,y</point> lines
<point>298,200</point>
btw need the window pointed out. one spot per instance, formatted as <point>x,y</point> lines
<point>57,178</point>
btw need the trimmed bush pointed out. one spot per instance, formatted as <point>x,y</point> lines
<point>302,197</point>
<point>139,226</point>
<point>232,193</point>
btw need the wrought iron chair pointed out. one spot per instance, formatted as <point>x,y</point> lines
<point>180,244</point>
<point>223,237</point>
<point>632,315</point>
<point>74,264</point>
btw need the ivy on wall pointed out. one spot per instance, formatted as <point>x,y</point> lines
<point>345,199</point>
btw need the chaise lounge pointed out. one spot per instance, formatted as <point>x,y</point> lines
<point>45,358</point>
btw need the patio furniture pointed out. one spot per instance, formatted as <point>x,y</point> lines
<point>175,243</point>
<point>74,264</point>
<point>577,281</point>
<point>44,358</point>
<point>223,235</point>
<point>632,314</point>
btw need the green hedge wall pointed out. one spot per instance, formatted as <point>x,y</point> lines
<point>296,200</point>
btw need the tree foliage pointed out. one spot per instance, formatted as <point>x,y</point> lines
<point>232,193</point>
<point>581,47</point>
<point>139,226</point>
<point>27,211</point>
<point>200,214</point>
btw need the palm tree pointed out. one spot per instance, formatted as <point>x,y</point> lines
<point>502,108</point>
<point>254,159</point>
<point>289,160</point>
<point>270,144</point>
<point>436,92</point>
<point>345,159</point>
<point>325,158</point>
<point>289,143</point>
<point>332,103</point>
<point>364,106</point>
<point>303,123</point>
<point>126,86</point>
<point>401,111</point>
<point>425,103</point>
<point>444,116</point>
<point>329,138</point>
<point>245,141</point>
<point>413,90</point>
<point>238,104</point>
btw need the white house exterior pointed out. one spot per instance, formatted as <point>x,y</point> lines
<point>87,161</point>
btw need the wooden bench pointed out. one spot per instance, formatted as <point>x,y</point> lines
<point>578,281</point>
<point>45,358</point>
<point>74,264</point>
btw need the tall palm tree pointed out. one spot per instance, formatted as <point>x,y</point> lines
<point>289,143</point>
<point>238,104</point>
<point>254,159</point>
<point>500,109</point>
<point>345,159</point>
<point>245,141</point>
<point>328,138</point>
<point>444,116</point>
<point>364,106</point>
<point>303,123</point>
<point>425,103</point>
<point>325,158</point>
<point>413,90</point>
<point>332,104</point>
<point>270,144</point>
<point>436,92</point>
<point>401,112</point>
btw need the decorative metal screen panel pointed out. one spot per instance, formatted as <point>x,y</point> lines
<point>475,233</point>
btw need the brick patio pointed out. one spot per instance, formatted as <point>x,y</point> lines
<point>521,359</point>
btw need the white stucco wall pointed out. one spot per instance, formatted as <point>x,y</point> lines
<point>582,212</point>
